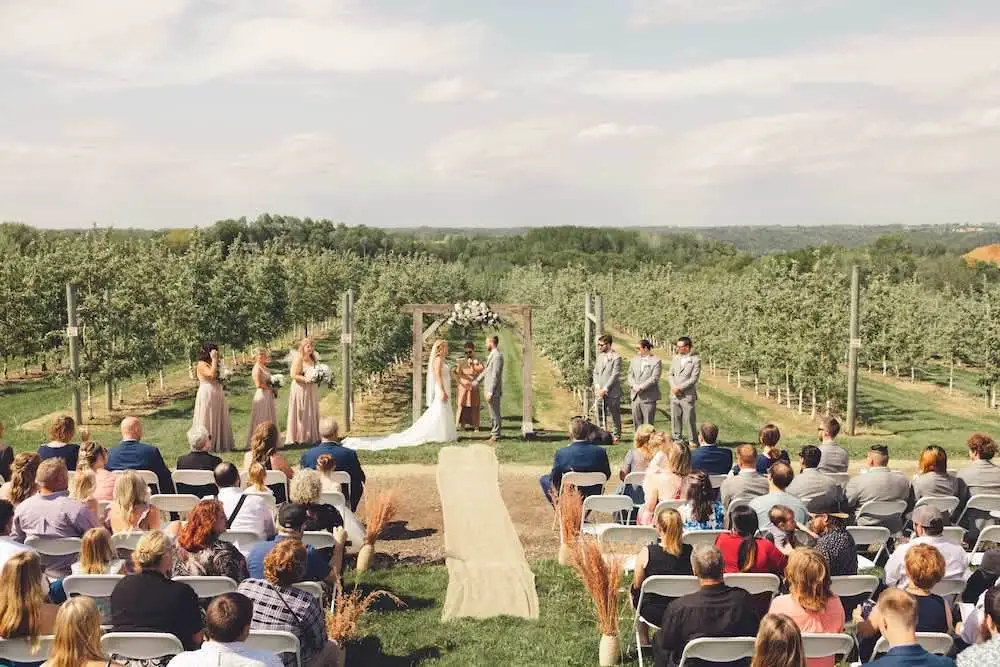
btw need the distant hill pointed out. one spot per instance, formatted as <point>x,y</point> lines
<point>986,253</point>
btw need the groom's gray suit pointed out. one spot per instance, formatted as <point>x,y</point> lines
<point>685,369</point>
<point>644,385</point>
<point>607,376</point>
<point>492,380</point>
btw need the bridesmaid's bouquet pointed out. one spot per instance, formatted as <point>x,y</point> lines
<point>276,381</point>
<point>223,373</point>
<point>319,374</point>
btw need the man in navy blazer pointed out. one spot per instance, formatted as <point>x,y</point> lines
<point>709,457</point>
<point>133,454</point>
<point>578,456</point>
<point>346,459</point>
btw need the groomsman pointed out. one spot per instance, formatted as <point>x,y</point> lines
<point>608,383</point>
<point>685,369</point>
<point>644,384</point>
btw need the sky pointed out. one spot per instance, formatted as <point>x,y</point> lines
<point>474,113</point>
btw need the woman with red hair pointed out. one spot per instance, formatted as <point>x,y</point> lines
<point>201,553</point>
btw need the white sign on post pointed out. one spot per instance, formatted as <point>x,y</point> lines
<point>72,332</point>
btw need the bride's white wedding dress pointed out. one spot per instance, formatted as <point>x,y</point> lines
<point>437,424</point>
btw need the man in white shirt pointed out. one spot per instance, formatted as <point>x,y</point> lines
<point>243,511</point>
<point>227,625</point>
<point>929,525</point>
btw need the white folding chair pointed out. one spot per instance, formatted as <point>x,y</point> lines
<point>610,504</point>
<point>275,641</point>
<point>334,498</point>
<point>717,480</point>
<point>954,534</point>
<point>630,535</point>
<point>946,504</point>
<point>272,477</point>
<point>312,587</point>
<point>181,503</point>
<point>54,546</point>
<point>718,649</point>
<point>21,650</point>
<point>882,509</point>
<point>668,586</point>
<point>865,536</point>
<point>932,642</point>
<point>841,478</point>
<point>697,538</point>
<point>193,477</point>
<point>91,585</point>
<point>209,587</point>
<point>989,535</point>
<point>148,476</point>
<point>103,506</point>
<point>824,645</point>
<point>736,502</point>
<point>318,539</point>
<point>342,477</point>
<point>240,537</point>
<point>127,541</point>
<point>847,586</point>
<point>984,502</point>
<point>667,505</point>
<point>141,645</point>
<point>635,478</point>
<point>582,480</point>
<point>948,588</point>
<point>754,583</point>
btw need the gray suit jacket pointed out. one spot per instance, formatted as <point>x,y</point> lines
<point>644,379</point>
<point>492,376</point>
<point>747,484</point>
<point>937,484</point>
<point>608,373</point>
<point>684,373</point>
<point>981,477</point>
<point>811,483</point>
<point>834,458</point>
<point>879,484</point>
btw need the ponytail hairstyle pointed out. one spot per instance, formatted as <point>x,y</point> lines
<point>745,524</point>
<point>326,463</point>
<point>83,485</point>
<point>768,436</point>
<point>22,476</point>
<point>90,453</point>
<point>257,474</point>
<point>671,529</point>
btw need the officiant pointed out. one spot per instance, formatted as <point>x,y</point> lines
<point>467,370</point>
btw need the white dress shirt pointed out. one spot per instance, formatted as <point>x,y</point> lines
<point>255,515</point>
<point>956,560</point>
<point>236,654</point>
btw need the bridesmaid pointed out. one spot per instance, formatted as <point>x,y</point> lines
<point>263,407</point>
<point>303,399</point>
<point>210,409</point>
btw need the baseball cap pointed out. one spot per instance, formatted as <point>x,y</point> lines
<point>292,515</point>
<point>991,561</point>
<point>928,517</point>
<point>828,503</point>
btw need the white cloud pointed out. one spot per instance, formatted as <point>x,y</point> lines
<point>647,12</point>
<point>453,90</point>
<point>614,130</point>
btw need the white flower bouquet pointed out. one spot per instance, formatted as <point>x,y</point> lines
<point>223,373</point>
<point>473,314</point>
<point>320,373</point>
<point>277,380</point>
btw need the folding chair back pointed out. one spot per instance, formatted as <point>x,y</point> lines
<point>667,505</point>
<point>582,479</point>
<point>736,502</point>
<point>272,477</point>
<point>334,498</point>
<point>141,645</point>
<point>193,477</point>
<point>989,535</point>
<point>318,539</point>
<point>20,650</point>
<point>855,584</point>
<point>54,546</point>
<point>341,477</point>
<point>241,538</point>
<point>882,508</point>
<point>668,586</point>
<point>127,541</point>
<point>866,536</point>
<point>717,480</point>
<point>638,535</point>
<point>148,476</point>
<point>698,537</point>
<point>753,583</point>
<point>611,504</point>
<point>275,641</point>
<point>949,587</point>
<point>209,587</point>
<point>823,645</point>
<point>312,587</point>
<point>947,504</point>
<point>635,478</point>
<point>984,502</point>
<point>718,649</point>
<point>933,642</point>
<point>91,585</point>
<point>174,502</point>
<point>954,534</point>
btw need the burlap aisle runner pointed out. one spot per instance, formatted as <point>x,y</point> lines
<point>488,574</point>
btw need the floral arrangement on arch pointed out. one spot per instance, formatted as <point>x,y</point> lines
<point>469,314</point>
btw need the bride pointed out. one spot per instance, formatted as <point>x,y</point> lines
<point>437,424</point>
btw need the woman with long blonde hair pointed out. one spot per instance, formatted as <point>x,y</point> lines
<point>97,556</point>
<point>82,488</point>
<point>22,478</point>
<point>668,556</point>
<point>437,423</point>
<point>779,643</point>
<point>264,451</point>
<point>24,613</point>
<point>94,457</point>
<point>303,397</point>
<point>810,602</point>
<point>77,640</point>
<point>131,509</point>
<point>263,408</point>
<point>665,475</point>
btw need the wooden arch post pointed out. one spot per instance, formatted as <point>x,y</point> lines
<point>510,312</point>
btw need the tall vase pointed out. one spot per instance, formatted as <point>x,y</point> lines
<point>610,652</point>
<point>365,557</point>
<point>339,655</point>
<point>565,553</point>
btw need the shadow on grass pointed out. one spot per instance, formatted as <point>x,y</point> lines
<point>386,605</point>
<point>397,531</point>
<point>368,651</point>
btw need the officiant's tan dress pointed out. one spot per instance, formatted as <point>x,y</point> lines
<point>468,395</point>
<point>212,412</point>
<point>303,411</point>
<point>263,409</point>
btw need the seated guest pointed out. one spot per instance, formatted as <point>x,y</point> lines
<point>987,653</point>
<point>6,456</point>
<point>149,601</point>
<point>879,483</point>
<point>636,460</point>
<point>131,509</point>
<point>94,457</point>
<point>985,576</point>
<point>24,611</point>
<point>578,456</point>
<point>8,547</point>
<point>61,446</point>
<point>829,517</point>
<point>201,553</point>
<point>77,641</point>
<point>981,476</point>
<point>306,489</point>
<point>932,478</point>
<point>344,458</point>
<point>717,610</point>
<point>264,450</point>
<point>708,456</point>
<point>243,512</point>
<point>291,520</point>
<point>52,513</point>
<point>133,454</point>
<point>98,557</point>
<point>834,458</point>
<point>278,605</point>
<point>669,556</point>
<point>747,483</point>
<point>895,618</point>
<point>82,488</point>
<point>199,458</point>
<point>665,476</point>
<point>810,482</point>
<point>256,476</point>
<point>810,602</point>
<point>779,643</point>
<point>928,525</point>
<point>743,551</point>
<point>779,478</point>
<point>768,438</point>
<point>227,626</point>
<point>782,530</point>
<point>701,511</point>
<point>21,485</point>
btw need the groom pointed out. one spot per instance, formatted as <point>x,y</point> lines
<point>493,375</point>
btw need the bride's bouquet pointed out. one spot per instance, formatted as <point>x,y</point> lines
<point>473,314</point>
<point>319,374</point>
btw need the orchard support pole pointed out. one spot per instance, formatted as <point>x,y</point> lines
<point>852,355</point>
<point>72,333</point>
<point>346,340</point>
<point>418,363</point>
<point>527,349</point>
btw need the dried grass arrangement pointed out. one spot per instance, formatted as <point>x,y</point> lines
<point>601,577</point>
<point>342,620</point>
<point>569,506</point>
<point>381,511</point>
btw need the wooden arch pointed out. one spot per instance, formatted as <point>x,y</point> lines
<point>510,312</point>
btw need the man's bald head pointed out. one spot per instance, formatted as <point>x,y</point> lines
<point>131,429</point>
